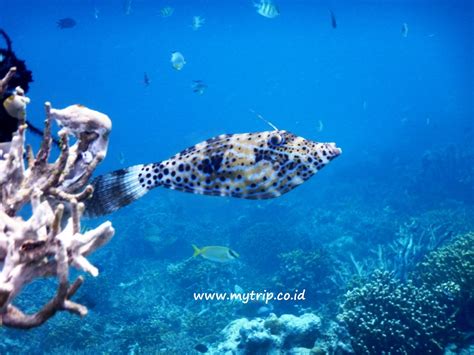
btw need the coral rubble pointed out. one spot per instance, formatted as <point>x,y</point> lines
<point>48,242</point>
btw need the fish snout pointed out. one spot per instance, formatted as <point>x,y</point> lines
<point>334,151</point>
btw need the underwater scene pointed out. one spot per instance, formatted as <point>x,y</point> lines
<point>170,196</point>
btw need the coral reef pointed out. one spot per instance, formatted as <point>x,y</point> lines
<point>4,82</point>
<point>269,335</point>
<point>389,316</point>
<point>450,270</point>
<point>48,242</point>
<point>288,333</point>
<point>310,270</point>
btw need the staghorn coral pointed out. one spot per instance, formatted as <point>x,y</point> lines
<point>389,316</point>
<point>6,80</point>
<point>49,241</point>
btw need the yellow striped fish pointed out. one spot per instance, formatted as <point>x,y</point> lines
<point>254,166</point>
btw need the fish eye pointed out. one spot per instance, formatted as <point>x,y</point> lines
<point>276,139</point>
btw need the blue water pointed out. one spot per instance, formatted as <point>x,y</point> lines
<point>399,107</point>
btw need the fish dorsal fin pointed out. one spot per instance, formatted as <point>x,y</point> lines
<point>264,120</point>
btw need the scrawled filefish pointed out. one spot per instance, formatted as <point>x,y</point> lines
<point>253,166</point>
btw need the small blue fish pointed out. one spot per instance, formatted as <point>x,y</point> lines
<point>198,87</point>
<point>146,80</point>
<point>333,19</point>
<point>66,23</point>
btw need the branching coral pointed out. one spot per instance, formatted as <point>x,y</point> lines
<point>309,270</point>
<point>8,77</point>
<point>450,270</point>
<point>49,241</point>
<point>389,316</point>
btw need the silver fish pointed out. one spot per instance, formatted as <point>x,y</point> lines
<point>405,30</point>
<point>127,7</point>
<point>198,21</point>
<point>166,11</point>
<point>177,60</point>
<point>253,166</point>
<point>267,8</point>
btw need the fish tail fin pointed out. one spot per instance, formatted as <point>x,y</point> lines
<point>117,189</point>
<point>197,251</point>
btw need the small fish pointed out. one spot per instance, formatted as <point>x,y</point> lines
<point>364,105</point>
<point>2,57</point>
<point>198,21</point>
<point>267,9</point>
<point>201,348</point>
<point>427,121</point>
<point>127,7</point>
<point>333,19</point>
<point>198,87</point>
<point>238,289</point>
<point>265,310</point>
<point>177,60</point>
<point>146,80</point>
<point>15,105</point>
<point>167,11</point>
<point>216,253</point>
<point>96,12</point>
<point>405,30</point>
<point>66,23</point>
<point>254,166</point>
<point>121,158</point>
<point>320,126</point>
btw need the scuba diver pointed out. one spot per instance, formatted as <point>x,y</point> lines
<point>21,77</point>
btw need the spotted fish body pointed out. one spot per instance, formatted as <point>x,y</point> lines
<point>254,166</point>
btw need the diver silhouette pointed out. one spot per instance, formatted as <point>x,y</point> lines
<point>22,77</point>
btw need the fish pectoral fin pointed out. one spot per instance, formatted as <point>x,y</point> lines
<point>197,251</point>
